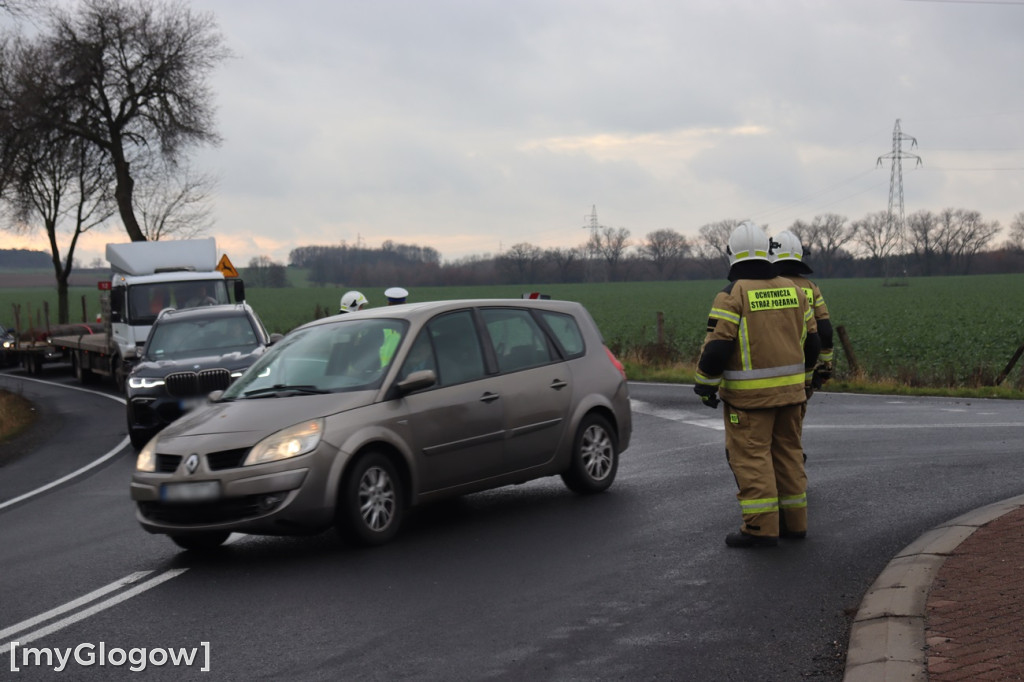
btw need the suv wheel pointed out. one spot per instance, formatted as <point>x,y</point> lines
<point>371,503</point>
<point>595,457</point>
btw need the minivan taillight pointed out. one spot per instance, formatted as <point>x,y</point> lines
<point>615,361</point>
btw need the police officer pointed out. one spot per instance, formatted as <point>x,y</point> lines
<point>788,257</point>
<point>761,340</point>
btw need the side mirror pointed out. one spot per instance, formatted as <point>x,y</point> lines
<point>239,291</point>
<point>215,396</point>
<point>275,337</point>
<point>416,381</point>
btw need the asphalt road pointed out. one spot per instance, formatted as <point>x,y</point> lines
<point>528,582</point>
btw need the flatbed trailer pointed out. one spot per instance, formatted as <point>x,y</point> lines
<point>92,352</point>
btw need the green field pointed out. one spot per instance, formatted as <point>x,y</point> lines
<point>942,331</point>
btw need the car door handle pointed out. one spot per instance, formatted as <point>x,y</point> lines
<point>558,384</point>
<point>489,397</point>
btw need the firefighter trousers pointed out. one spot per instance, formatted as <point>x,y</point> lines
<point>765,454</point>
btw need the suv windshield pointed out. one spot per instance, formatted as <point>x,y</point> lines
<point>177,338</point>
<point>346,356</point>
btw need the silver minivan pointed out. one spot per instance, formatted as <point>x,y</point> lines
<point>351,420</point>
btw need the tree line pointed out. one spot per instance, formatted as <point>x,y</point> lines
<point>949,242</point>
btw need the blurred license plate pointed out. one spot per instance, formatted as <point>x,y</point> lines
<point>189,404</point>
<point>197,491</point>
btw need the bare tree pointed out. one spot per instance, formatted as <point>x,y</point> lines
<point>520,261</point>
<point>565,261</point>
<point>825,237</point>
<point>63,186</point>
<point>878,236</point>
<point>174,202</point>
<point>1015,239</point>
<point>665,249</point>
<point>264,272</point>
<point>922,227</point>
<point>712,244</point>
<point>610,244</point>
<point>960,236</point>
<point>129,76</point>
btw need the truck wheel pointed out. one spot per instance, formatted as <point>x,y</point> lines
<point>82,373</point>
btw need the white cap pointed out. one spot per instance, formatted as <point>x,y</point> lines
<point>396,295</point>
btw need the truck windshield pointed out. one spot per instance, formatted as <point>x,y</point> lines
<point>145,301</point>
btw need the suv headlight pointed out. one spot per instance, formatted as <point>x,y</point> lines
<point>144,382</point>
<point>291,442</point>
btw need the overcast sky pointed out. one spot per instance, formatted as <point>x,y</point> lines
<point>472,125</point>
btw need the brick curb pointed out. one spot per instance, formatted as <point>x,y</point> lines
<point>887,639</point>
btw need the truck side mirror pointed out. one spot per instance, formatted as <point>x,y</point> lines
<point>239,291</point>
<point>117,304</point>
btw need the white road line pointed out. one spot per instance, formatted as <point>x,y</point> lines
<point>716,423</point>
<point>95,463</point>
<point>72,605</point>
<point>96,608</point>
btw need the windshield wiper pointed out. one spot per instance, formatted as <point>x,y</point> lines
<point>278,389</point>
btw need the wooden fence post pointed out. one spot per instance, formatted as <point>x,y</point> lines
<point>851,358</point>
<point>1009,367</point>
<point>661,329</point>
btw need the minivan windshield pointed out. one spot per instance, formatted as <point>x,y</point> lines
<point>350,355</point>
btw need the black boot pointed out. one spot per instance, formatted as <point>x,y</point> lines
<point>745,540</point>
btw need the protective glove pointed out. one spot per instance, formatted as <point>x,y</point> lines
<point>708,395</point>
<point>822,373</point>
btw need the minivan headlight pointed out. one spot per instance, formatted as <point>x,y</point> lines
<point>291,442</point>
<point>146,460</point>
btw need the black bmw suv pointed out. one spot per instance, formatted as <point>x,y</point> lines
<point>188,354</point>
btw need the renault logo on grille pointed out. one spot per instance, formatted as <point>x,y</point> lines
<point>192,463</point>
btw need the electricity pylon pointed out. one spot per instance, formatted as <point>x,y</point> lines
<point>896,227</point>
<point>595,229</point>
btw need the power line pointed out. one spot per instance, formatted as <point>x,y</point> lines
<point>973,2</point>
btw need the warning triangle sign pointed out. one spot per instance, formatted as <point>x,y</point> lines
<point>226,267</point>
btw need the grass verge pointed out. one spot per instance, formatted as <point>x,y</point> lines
<point>681,373</point>
<point>16,414</point>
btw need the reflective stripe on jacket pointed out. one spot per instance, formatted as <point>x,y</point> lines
<point>766,323</point>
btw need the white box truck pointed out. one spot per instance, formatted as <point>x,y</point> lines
<point>147,277</point>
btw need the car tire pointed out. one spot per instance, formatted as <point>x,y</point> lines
<point>371,501</point>
<point>138,437</point>
<point>201,542</point>
<point>595,457</point>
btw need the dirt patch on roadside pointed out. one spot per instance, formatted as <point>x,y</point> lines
<point>16,414</point>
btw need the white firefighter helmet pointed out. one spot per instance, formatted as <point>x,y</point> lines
<point>787,246</point>
<point>352,301</point>
<point>747,242</point>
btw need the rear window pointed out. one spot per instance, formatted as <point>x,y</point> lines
<point>566,332</point>
<point>518,340</point>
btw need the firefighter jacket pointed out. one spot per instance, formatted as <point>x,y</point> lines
<point>821,317</point>
<point>762,344</point>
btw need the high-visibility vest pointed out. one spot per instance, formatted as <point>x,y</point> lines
<point>766,322</point>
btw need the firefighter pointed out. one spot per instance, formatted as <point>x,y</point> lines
<point>351,301</point>
<point>761,342</point>
<point>788,257</point>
